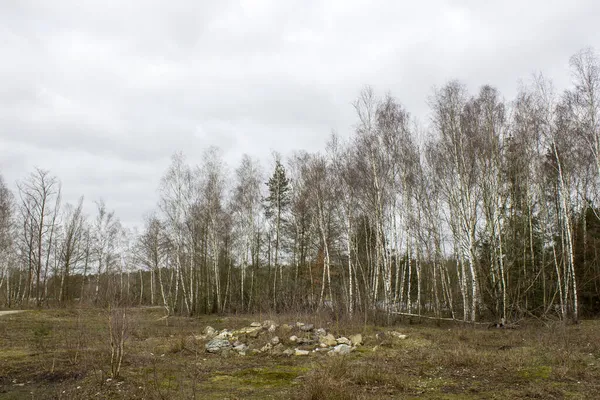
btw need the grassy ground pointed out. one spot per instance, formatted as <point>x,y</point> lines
<point>65,354</point>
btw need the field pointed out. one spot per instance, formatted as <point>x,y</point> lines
<point>65,354</point>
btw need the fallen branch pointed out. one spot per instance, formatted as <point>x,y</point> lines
<point>440,318</point>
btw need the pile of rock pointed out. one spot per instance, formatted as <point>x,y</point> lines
<point>259,337</point>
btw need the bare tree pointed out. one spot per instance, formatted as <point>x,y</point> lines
<point>460,171</point>
<point>6,238</point>
<point>72,249</point>
<point>39,209</point>
<point>153,252</point>
<point>105,234</point>
<point>246,209</point>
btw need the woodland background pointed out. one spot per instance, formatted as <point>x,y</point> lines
<point>489,212</point>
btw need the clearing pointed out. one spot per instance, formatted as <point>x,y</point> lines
<point>65,354</point>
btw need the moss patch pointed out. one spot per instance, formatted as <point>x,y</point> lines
<point>276,376</point>
<point>540,372</point>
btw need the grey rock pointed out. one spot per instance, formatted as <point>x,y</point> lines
<point>217,345</point>
<point>305,341</point>
<point>288,352</point>
<point>307,327</point>
<point>267,347</point>
<point>275,340</point>
<point>256,325</point>
<point>255,333</point>
<point>321,332</point>
<point>267,323</point>
<point>209,332</point>
<point>278,349</point>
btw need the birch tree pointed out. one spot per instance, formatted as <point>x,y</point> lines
<point>72,249</point>
<point>39,197</point>
<point>105,235</point>
<point>246,207</point>
<point>6,239</point>
<point>458,164</point>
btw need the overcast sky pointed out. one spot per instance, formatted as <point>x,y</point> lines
<point>102,93</point>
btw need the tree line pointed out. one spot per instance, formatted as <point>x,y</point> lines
<point>489,212</point>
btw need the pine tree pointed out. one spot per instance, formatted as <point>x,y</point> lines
<point>276,204</point>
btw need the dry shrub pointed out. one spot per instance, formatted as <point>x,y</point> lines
<point>368,375</point>
<point>118,325</point>
<point>329,381</point>
<point>320,385</point>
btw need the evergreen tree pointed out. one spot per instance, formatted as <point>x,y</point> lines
<point>276,203</point>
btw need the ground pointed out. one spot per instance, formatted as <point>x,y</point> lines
<point>65,354</point>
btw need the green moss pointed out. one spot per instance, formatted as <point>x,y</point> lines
<point>363,349</point>
<point>276,376</point>
<point>536,373</point>
<point>14,353</point>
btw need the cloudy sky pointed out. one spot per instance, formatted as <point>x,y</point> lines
<point>101,93</point>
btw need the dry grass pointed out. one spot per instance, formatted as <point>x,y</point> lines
<point>65,354</point>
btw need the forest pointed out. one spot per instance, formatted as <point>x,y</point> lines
<point>489,211</point>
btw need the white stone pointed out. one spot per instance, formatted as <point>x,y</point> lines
<point>299,352</point>
<point>398,335</point>
<point>356,339</point>
<point>328,340</point>
<point>266,347</point>
<point>343,340</point>
<point>247,330</point>
<point>224,334</point>
<point>241,348</point>
<point>341,349</point>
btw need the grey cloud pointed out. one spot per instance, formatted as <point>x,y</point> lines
<point>102,93</point>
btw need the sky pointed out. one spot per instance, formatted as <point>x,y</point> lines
<point>102,93</point>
